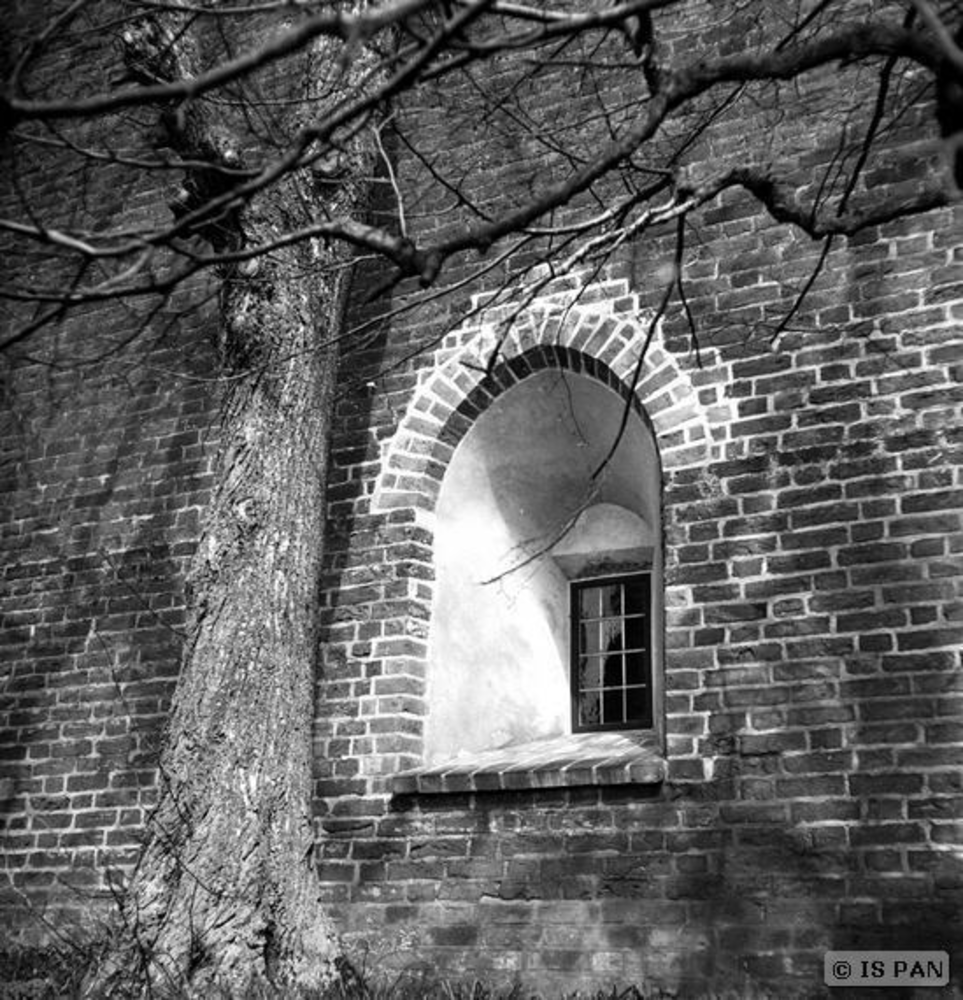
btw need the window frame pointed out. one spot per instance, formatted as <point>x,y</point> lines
<point>650,651</point>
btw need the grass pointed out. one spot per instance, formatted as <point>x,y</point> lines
<point>58,972</point>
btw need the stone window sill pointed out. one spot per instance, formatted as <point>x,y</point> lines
<point>556,762</point>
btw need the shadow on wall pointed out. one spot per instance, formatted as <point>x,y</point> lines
<point>680,887</point>
<point>826,825</point>
<point>362,415</point>
<point>837,818</point>
<point>908,789</point>
<point>110,490</point>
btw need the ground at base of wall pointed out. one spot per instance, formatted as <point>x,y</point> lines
<point>58,974</point>
<point>42,973</point>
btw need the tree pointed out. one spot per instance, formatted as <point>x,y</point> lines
<point>269,126</point>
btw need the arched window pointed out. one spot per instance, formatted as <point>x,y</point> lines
<point>547,620</point>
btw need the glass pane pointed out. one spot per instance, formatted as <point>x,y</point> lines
<point>613,671</point>
<point>636,633</point>
<point>590,639</point>
<point>637,669</point>
<point>589,713</point>
<point>589,672</point>
<point>611,635</point>
<point>612,600</point>
<point>612,706</point>
<point>638,705</point>
<point>588,602</point>
<point>637,596</point>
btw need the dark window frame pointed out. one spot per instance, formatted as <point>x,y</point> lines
<point>624,680</point>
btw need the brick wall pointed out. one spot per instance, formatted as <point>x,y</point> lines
<point>812,499</point>
<point>102,503</point>
<point>812,675</point>
<point>107,429</point>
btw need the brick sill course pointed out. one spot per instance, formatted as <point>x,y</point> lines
<point>556,762</point>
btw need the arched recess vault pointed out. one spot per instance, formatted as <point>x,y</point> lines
<point>593,334</point>
<point>598,331</point>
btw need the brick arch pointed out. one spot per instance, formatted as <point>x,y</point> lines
<point>588,334</point>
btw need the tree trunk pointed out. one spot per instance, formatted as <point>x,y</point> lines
<point>225,894</point>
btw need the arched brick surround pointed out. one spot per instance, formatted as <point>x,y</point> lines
<point>599,330</point>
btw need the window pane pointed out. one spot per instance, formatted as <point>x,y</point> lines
<point>611,630</point>
<point>636,633</point>
<point>612,600</point>
<point>590,638</point>
<point>612,707</point>
<point>613,671</point>
<point>589,709</point>
<point>589,672</point>
<point>639,706</point>
<point>588,602</point>
<point>637,596</point>
<point>637,668</point>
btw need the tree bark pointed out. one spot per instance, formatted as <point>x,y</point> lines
<point>225,894</point>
